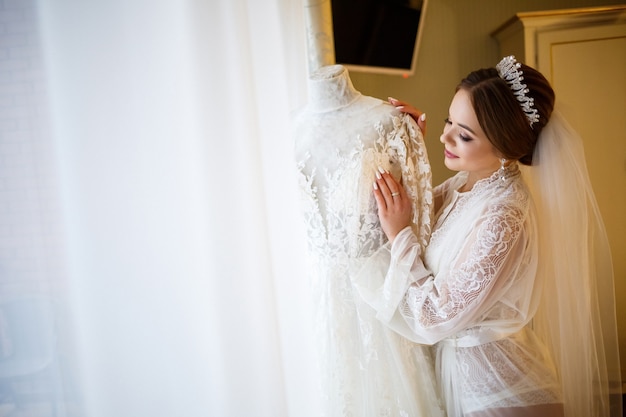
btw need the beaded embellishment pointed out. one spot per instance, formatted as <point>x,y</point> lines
<point>509,71</point>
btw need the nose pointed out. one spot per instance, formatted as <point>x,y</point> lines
<point>444,137</point>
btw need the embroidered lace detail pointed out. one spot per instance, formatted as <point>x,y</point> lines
<point>339,205</point>
<point>466,283</point>
<point>479,298</point>
<point>357,352</point>
<point>508,377</point>
<point>482,189</point>
<point>477,266</point>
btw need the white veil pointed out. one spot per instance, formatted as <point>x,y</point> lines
<point>576,316</point>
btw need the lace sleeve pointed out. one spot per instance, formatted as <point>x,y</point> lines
<point>434,307</point>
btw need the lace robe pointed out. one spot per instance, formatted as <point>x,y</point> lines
<point>473,296</point>
<point>366,368</point>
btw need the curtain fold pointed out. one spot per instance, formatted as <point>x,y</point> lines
<point>169,122</point>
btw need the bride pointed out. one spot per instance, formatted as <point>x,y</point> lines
<point>506,291</point>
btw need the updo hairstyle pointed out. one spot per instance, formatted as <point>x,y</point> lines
<point>500,115</point>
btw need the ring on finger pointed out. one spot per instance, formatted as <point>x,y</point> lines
<point>395,194</point>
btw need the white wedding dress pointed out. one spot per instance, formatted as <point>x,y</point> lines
<point>341,138</point>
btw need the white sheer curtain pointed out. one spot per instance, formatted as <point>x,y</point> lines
<point>185,293</point>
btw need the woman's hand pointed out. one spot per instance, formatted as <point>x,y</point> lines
<point>405,107</point>
<point>394,206</point>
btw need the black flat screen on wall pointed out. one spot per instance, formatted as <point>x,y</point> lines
<point>376,33</point>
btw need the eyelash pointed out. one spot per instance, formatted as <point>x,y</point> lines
<point>463,138</point>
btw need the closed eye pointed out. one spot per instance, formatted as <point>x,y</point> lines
<point>463,137</point>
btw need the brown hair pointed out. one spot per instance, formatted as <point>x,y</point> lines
<point>500,115</point>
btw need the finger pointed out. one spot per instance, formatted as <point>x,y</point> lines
<point>390,191</point>
<point>404,107</point>
<point>381,184</point>
<point>416,114</point>
<point>396,102</point>
<point>390,184</point>
<point>421,122</point>
<point>380,199</point>
<point>386,194</point>
<point>403,193</point>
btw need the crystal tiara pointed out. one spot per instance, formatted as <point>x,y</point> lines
<point>509,71</point>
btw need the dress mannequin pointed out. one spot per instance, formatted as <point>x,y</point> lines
<point>341,138</point>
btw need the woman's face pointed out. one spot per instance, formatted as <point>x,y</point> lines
<point>466,145</point>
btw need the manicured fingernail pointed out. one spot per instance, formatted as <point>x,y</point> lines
<point>423,117</point>
<point>378,175</point>
<point>391,99</point>
<point>375,185</point>
<point>381,169</point>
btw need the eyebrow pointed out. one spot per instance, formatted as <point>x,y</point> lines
<point>466,128</point>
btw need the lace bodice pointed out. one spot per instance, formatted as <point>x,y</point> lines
<point>339,206</point>
<point>338,155</point>
<point>473,258</point>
